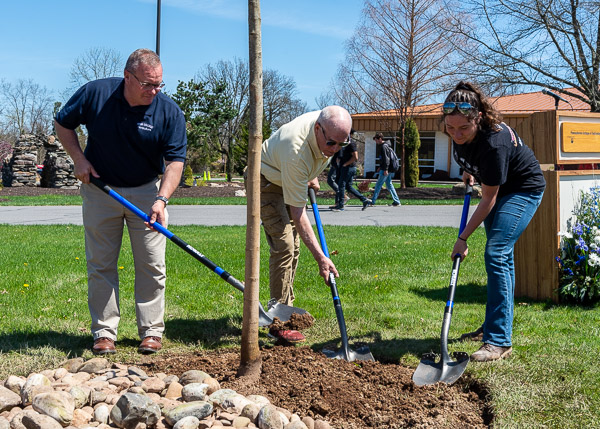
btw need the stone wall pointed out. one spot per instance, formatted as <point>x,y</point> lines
<point>20,170</point>
<point>58,169</point>
<point>30,150</point>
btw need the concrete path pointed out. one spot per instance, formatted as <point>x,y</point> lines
<point>236,215</point>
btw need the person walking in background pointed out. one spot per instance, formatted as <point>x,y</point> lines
<point>512,188</point>
<point>135,133</point>
<point>386,171</point>
<point>291,160</point>
<point>348,160</point>
<point>332,176</point>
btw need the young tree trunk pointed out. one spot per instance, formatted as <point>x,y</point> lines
<point>250,361</point>
<point>229,161</point>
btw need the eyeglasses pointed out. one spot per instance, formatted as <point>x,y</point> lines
<point>147,86</point>
<point>463,107</point>
<point>333,142</point>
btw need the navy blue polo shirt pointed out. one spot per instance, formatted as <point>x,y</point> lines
<point>126,145</point>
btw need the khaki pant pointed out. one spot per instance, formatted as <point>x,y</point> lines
<point>283,240</point>
<point>104,219</point>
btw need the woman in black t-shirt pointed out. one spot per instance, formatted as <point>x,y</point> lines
<point>512,185</point>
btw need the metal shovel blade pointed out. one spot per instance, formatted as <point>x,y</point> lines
<point>362,353</point>
<point>430,372</point>
<point>281,311</point>
<point>345,352</point>
<point>446,370</point>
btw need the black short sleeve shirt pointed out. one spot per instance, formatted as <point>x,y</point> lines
<point>347,153</point>
<point>499,158</point>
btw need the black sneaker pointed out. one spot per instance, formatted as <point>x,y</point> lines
<point>338,209</point>
<point>367,203</point>
<point>395,204</point>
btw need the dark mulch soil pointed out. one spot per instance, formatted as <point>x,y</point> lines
<point>348,395</point>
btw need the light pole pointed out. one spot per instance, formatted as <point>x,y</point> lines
<point>158,28</point>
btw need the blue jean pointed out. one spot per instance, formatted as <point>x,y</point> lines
<point>332,177</point>
<point>345,183</point>
<point>503,226</point>
<point>388,185</point>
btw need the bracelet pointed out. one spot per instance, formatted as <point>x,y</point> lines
<point>462,239</point>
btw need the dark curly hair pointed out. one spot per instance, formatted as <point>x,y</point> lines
<point>472,94</point>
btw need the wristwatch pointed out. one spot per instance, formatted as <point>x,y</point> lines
<point>163,199</point>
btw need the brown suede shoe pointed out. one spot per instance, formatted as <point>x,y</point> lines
<point>476,335</point>
<point>489,352</point>
<point>150,345</point>
<point>103,346</point>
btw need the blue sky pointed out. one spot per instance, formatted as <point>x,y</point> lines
<point>302,39</point>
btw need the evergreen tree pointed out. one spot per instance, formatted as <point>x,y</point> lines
<point>206,109</point>
<point>412,142</point>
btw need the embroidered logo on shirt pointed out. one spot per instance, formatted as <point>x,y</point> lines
<point>142,126</point>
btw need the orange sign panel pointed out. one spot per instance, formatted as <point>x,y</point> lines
<point>581,137</point>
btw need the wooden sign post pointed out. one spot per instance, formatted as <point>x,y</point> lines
<point>567,145</point>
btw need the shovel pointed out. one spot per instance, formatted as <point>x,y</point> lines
<point>265,318</point>
<point>446,370</point>
<point>345,352</point>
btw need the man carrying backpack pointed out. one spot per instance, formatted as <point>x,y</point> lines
<point>388,165</point>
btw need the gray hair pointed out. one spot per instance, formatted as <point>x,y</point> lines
<point>142,56</point>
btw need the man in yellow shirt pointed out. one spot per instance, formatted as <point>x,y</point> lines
<point>291,160</point>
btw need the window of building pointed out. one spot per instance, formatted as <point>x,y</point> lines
<point>426,155</point>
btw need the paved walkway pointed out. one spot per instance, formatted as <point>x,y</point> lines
<point>236,215</point>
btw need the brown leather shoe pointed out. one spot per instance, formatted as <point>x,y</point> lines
<point>103,346</point>
<point>150,345</point>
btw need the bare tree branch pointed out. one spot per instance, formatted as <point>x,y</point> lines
<point>27,108</point>
<point>545,43</point>
<point>95,63</point>
<point>397,59</point>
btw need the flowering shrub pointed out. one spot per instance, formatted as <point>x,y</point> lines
<point>579,263</point>
<point>5,152</point>
<point>363,186</point>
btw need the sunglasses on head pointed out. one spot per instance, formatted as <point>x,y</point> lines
<point>463,107</point>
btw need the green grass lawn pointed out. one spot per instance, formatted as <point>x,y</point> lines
<point>393,287</point>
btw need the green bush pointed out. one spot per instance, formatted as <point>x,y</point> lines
<point>412,143</point>
<point>188,176</point>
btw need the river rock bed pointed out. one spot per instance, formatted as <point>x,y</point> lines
<point>99,394</point>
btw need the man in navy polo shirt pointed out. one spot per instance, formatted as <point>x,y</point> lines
<point>135,133</point>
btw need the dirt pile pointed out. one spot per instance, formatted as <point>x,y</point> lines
<point>350,395</point>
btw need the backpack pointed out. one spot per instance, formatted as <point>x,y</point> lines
<point>394,161</point>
